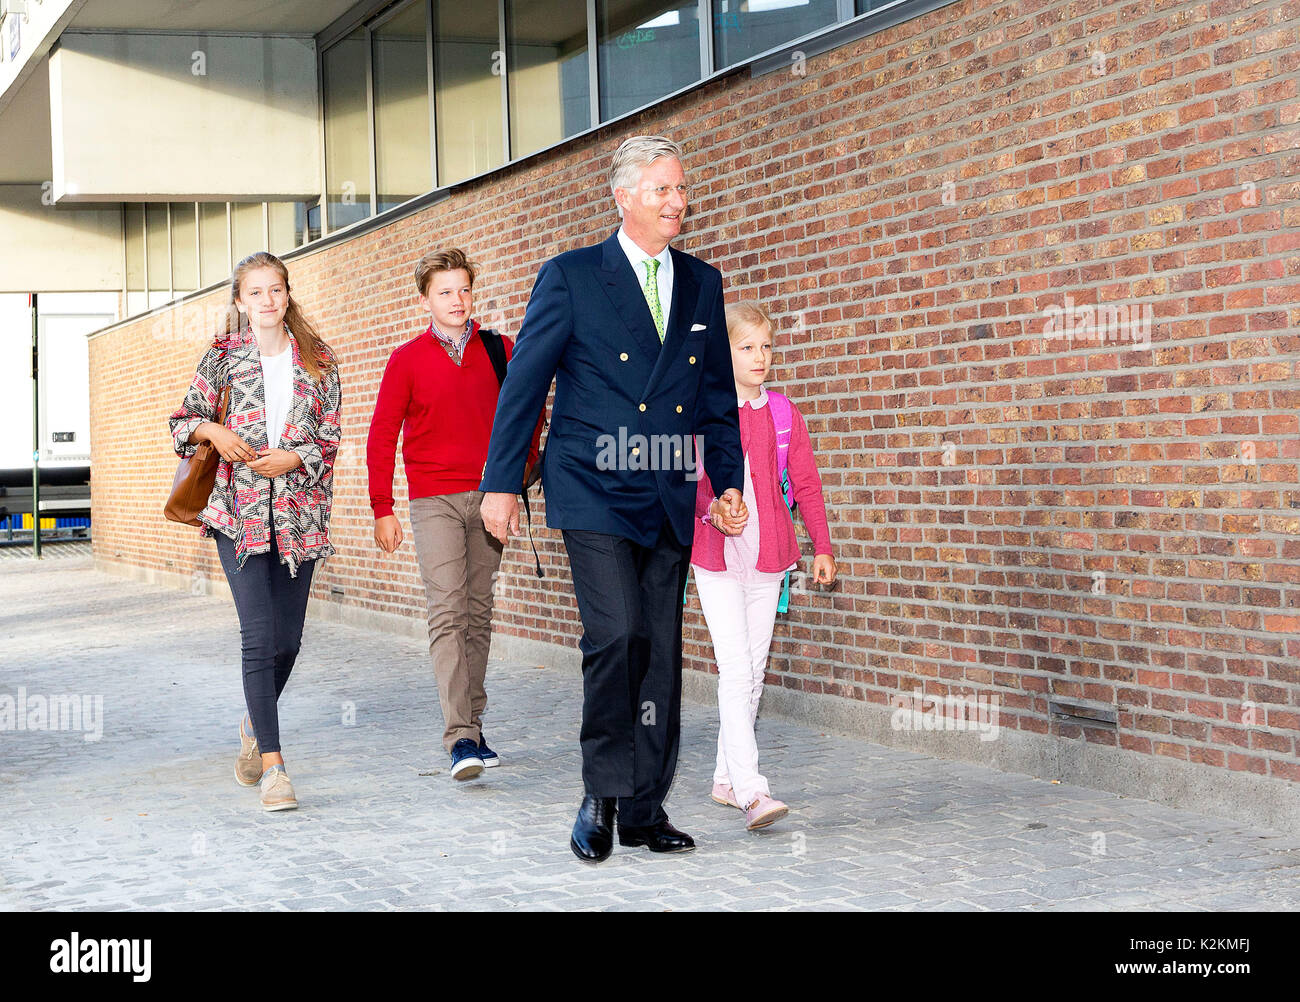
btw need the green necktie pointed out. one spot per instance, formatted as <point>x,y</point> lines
<point>651,290</point>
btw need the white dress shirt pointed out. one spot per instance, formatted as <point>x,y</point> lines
<point>635,256</point>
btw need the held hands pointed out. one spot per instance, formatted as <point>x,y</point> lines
<point>728,513</point>
<point>388,533</point>
<point>500,514</point>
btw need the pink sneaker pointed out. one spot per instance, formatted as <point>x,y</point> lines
<point>763,811</point>
<point>724,795</point>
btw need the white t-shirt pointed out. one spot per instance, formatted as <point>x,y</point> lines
<point>277,378</point>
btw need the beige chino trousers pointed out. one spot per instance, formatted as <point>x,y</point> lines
<point>458,560</point>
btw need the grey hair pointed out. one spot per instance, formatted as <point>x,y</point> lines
<point>634,155</point>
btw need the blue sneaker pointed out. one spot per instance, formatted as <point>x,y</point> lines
<point>489,757</point>
<point>465,761</point>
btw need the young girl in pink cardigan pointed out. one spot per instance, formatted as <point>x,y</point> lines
<point>739,578</point>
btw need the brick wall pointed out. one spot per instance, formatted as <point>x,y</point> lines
<point>1026,503</point>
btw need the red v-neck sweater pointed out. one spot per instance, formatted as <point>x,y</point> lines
<point>444,413</point>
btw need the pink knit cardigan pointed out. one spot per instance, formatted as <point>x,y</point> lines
<point>778,547</point>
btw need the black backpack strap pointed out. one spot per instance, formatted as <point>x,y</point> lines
<point>529,515</point>
<point>496,351</point>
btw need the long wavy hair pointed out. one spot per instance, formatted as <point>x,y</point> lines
<point>315,354</point>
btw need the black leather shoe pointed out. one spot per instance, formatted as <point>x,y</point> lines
<point>593,832</point>
<point>662,837</point>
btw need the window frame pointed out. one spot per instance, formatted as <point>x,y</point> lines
<point>372,14</point>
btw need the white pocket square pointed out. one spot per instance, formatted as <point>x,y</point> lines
<point>697,327</point>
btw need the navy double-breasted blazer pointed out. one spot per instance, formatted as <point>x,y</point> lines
<point>620,454</point>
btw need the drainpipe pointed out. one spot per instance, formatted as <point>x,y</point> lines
<point>36,433</point>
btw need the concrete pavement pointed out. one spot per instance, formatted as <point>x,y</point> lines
<point>148,815</point>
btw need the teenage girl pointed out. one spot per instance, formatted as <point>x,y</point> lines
<point>269,510</point>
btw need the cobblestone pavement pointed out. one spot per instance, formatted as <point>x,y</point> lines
<point>150,817</point>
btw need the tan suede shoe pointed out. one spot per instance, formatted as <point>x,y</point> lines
<point>248,767</point>
<point>277,791</point>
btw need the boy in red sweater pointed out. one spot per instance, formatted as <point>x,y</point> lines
<point>440,391</point>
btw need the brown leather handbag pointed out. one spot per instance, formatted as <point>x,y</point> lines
<point>195,476</point>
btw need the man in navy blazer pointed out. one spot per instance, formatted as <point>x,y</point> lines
<point>634,334</point>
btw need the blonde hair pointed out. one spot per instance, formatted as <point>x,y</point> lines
<point>451,259</point>
<point>741,317</point>
<point>313,353</point>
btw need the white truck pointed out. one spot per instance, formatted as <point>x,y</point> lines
<point>64,320</point>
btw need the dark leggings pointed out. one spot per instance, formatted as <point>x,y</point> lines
<point>271,606</point>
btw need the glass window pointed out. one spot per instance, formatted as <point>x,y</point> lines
<point>402,150</point>
<point>214,251</point>
<point>647,48</point>
<point>863,6</point>
<point>468,63</point>
<point>246,230</point>
<point>185,248</point>
<point>744,28</point>
<point>281,218</point>
<point>347,130</point>
<point>306,221</point>
<point>134,223</point>
<point>160,265</point>
<point>550,92</point>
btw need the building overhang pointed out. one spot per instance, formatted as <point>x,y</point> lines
<point>49,135</point>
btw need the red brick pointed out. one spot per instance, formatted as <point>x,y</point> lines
<point>905,323</point>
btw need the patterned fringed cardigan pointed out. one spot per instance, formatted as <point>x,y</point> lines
<point>243,503</point>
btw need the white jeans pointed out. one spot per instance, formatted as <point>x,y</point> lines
<point>740,610</point>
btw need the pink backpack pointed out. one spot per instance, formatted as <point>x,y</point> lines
<point>783,421</point>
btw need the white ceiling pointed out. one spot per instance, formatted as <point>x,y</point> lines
<point>253,16</point>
